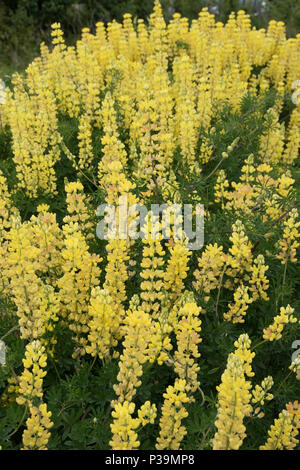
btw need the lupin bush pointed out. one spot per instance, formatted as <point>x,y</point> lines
<point>127,342</point>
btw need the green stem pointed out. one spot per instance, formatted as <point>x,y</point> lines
<point>284,278</point>
<point>14,328</point>
<point>215,169</point>
<point>55,368</point>
<point>219,291</point>
<point>19,425</point>
<point>283,381</point>
<point>92,365</point>
<point>258,344</point>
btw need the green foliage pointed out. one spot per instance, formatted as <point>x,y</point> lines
<point>287,11</point>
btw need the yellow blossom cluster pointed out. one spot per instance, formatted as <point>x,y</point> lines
<point>274,331</point>
<point>33,250</point>
<point>233,405</point>
<point>7,214</point>
<point>153,273</point>
<point>211,265</point>
<point>124,426</point>
<point>36,433</point>
<point>261,392</point>
<point>283,433</point>
<point>138,324</point>
<point>103,324</point>
<point>80,276</point>
<point>79,208</point>
<point>262,189</point>
<point>289,243</point>
<point>230,428</point>
<point>235,270</point>
<point>32,118</point>
<point>187,335</point>
<point>173,412</point>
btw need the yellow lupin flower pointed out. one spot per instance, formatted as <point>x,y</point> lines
<point>176,270</point>
<point>80,276</point>
<point>137,332</point>
<point>282,434</point>
<point>289,242</point>
<point>238,308</point>
<point>274,331</point>
<point>124,425</point>
<point>211,265</point>
<point>173,412</point>
<point>240,260</point>
<point>36,433</point>
<point>233,405</point>
<point>103,325</point>
<point>188,338</point>
<point>258,280</point>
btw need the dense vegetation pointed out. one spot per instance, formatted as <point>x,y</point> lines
<point>145,343</point>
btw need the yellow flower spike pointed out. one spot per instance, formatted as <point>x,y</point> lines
<point>173,412</point>
<point>36,433</point>
<point>220,187</point>
<point>79,209</point>
<point>137,336</point>
<point>274,331</point>
<point>104,324</point>
<point>233,405</point>
<point>240,260</point>
<point>289,243</point>
<point>282,434</point>
<point>188,338</point>
<point>80,276</point>
<point>124,426</point>
<point>272,141</point>
<point>243,352</point>
<point>260,393</point>
<point>258,280</point>
<point>211,265</point>
<point>238,308</point>
<point>34,249</point>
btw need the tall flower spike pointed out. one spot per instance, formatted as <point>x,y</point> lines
<point>80,276</point>
<point>211,265</point>
<point>104,324</point>
<point>36,433</point>
<point>137,332</point>
<point>152,264</point>
<point>173,412</point>
<point>238,308</point>
<point>282,434</point>
<point>241,256</point>
<point>233,405</point>
<point>259,282</point>
<point>289,243</point>
<point>187,354</point>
